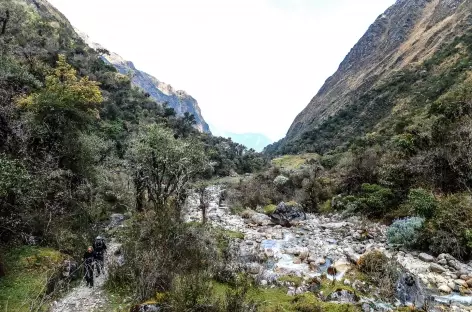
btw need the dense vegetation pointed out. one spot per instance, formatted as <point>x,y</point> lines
<point>78,141</point>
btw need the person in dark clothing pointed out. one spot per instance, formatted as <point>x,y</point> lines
<point>99,248</point>
<point>89,258</point>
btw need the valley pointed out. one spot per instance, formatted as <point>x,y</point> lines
<point>365,205</point>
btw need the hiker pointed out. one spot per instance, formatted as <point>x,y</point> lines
<point>99,248</point>
<point>89,258</point>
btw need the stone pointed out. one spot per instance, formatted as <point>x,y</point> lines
<point>445,289</point>
<point>460,283</point>
<point>469,282</point>
<point>253,268</point>
<point>260,219</point>
<point>117,219</point>
<point>433,267</point>
<point>410,291</point>
<point>287,214</point>
<point>442,262</point>
<point>352,256</point>
<point>291,291</point>
<point>425,257</point>
<point>343,296</point>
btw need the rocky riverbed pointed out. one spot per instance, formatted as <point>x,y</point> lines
<point>306,250</point>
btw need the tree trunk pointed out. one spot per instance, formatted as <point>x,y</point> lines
<point>5,22</point>
<point>204,214</point>
<point>2,269</point>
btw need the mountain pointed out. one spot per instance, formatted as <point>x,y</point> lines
<point>365,90</point>
<point>161,92</point>
<point>256,141</point>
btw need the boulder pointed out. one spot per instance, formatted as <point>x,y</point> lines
<point>116,219</point>
<point>410,291</point>
<point>343,296</point>
<point>70,269</point>
<point>445,289</point>
<point>260,219</point>
<point>253,268</point>
<point>425,257</point>
<point>436,268</point>
<point>288,214</point>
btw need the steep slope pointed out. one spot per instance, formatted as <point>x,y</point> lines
<point>161,92</point>
<point>407,34</point>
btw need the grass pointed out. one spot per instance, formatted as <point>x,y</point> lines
<point>277,300</point>
<point>27,272</point>
<point>294,161</point>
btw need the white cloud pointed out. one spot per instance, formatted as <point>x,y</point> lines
<point>253,65</point>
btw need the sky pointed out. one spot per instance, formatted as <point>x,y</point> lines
<point>252,65</point>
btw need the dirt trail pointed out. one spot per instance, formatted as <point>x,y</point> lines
<point>85,299</point>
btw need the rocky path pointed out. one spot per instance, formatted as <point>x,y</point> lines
<point>271,251</point>
<point>86,299</point>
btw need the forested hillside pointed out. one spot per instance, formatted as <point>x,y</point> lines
<point>78,141</point>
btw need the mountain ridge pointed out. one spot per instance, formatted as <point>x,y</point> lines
<point>160,91</point>
<point>406,33</point>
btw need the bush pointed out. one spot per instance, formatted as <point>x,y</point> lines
<point>270,209</point>
<point>405,232</point>
<point>422,203</point>
<point>447,231</point>
<point>374,199</point>
<point>381,271</point>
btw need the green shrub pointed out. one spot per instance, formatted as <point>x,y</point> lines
<point>405,232</point>
<point>422,203</point>
<point>375,199</point>
<point>447,231</point>
<point>270,209</point>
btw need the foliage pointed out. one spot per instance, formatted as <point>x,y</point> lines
<point>447,231</point>
<point>422,203</point>
<point>405,232</point>
<point>163,166</point>
<point>270,209</point>
<point>66,94</point>
<point>374,199</point>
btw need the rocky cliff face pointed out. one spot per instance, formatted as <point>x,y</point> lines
<point>179,100</point>
<point>409,32</point>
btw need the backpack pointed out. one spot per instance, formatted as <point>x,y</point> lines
<point>99,244</point>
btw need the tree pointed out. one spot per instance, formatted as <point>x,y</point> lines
<point>163,166</point>
<point>204,197</point>
<point>64,95</point>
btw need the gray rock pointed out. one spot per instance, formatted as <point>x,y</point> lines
<point>445,289</point>
<point>425,257</point>
<point>260,219</point>
<point>410,291</point>
<point>286,215</point>
<point>253,268</point>
<point>433,267</point>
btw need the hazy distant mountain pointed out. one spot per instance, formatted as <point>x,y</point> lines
<point>256,141</point>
